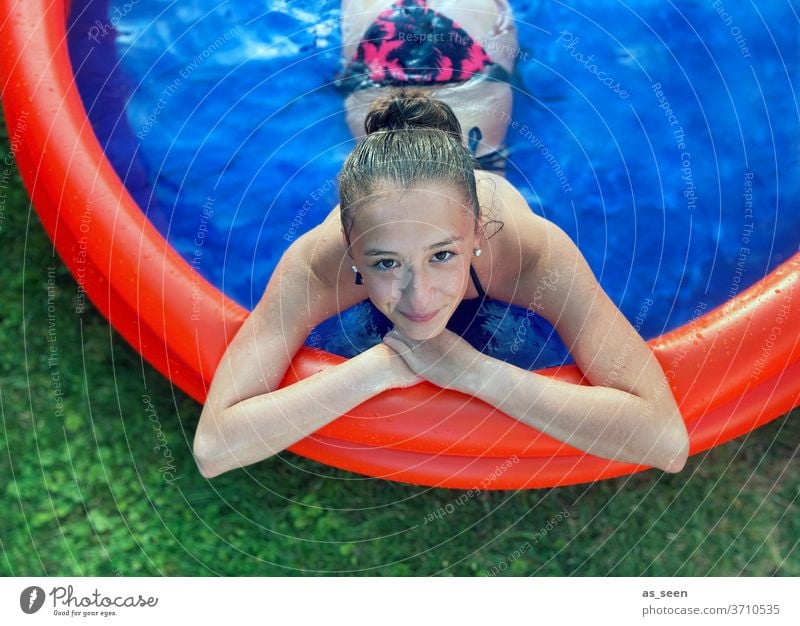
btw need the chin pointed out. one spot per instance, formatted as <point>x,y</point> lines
<point>420,335</point>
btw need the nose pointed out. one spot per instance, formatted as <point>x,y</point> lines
<point>418,291</point>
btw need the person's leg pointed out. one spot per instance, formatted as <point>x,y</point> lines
<point>357,16</point>
<point>478,103</point>
<point>490,22</point>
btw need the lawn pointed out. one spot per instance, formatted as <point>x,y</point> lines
<point>99,478</point>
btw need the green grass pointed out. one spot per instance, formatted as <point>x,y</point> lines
<point>83,493</point>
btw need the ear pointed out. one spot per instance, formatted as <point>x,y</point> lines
<point>344,244</point>
<point>479,230</point>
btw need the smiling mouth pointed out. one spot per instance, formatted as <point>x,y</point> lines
<point>420,318</point>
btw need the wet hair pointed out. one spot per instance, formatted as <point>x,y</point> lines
<point>411,139</point>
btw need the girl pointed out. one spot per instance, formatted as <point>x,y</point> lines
<point>411,234</point>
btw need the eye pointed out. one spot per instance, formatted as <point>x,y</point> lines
<point>381,267</point>
<point>384,265</point>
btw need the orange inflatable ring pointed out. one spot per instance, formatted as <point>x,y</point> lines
<point>423,435</point>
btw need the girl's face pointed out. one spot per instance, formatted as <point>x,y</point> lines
<point>414,250</point>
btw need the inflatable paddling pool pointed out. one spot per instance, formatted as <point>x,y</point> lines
<point>732,368</point>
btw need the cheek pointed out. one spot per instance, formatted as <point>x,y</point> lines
<point>383,289</point>
<point>458,281</point>
<point>452,285</point>
<point>455,284</point>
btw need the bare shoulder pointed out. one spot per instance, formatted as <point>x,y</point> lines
<point>515,236</point>
<point>329,262</point>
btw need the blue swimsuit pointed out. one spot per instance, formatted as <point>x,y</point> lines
<point>474,274</point>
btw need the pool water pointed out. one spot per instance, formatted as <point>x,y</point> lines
<point>665,141</point>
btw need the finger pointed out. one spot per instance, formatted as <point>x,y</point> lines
<point>396,333</point>
<point>392,335</point>
<point>396,345</point>
<point>398,337</point>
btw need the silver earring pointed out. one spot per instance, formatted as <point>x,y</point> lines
<point>476,252</point>
<point>359,279</point>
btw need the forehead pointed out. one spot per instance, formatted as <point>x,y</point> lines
<point>420,213</point>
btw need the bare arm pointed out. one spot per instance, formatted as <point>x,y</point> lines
<point>257,428</point>
<point>247,417</point>
<point>603,421</point>
<point>629,414</point>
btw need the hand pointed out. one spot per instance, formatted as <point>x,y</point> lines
<point>446,360</point>
<point>390,368</point>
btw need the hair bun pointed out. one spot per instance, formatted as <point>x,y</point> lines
<point>407,108</point>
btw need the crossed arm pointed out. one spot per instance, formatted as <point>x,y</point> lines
<point>628,414</point>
